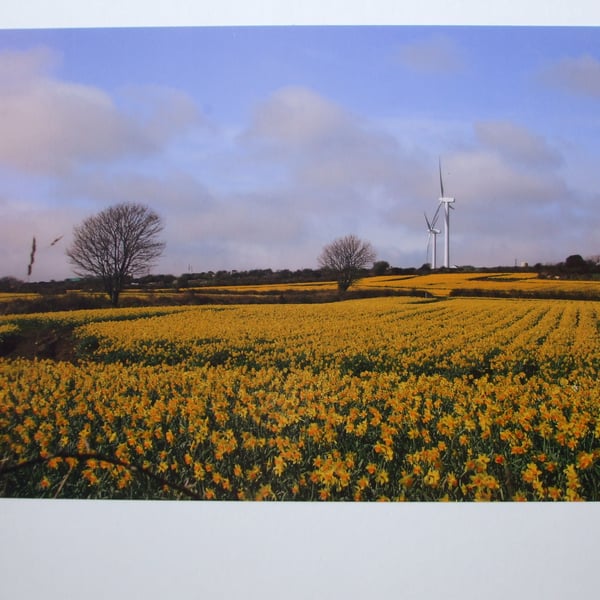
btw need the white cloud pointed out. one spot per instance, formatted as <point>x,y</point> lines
<point>489,188</point>
<point>435,54</point>
<point>160,112</point>
<point>298,118</point>
<point>174,192</point>
<point>51,126</point>
<point>333,157</point>
<point>517,143</point>
<point>579,75</point>
<point>18,69</point>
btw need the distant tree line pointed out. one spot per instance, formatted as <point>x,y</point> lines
<point>573,267</point>
<point>250,277</point>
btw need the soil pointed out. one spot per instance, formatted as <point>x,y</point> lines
<point>55,344</point>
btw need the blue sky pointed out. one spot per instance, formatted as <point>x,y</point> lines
<point>258,145</point>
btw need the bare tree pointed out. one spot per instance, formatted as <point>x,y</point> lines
<point>346,257</point>
<point>115,244</point>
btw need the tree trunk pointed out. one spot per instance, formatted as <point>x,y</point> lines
<point>343,285</point>
<point>114,298</point>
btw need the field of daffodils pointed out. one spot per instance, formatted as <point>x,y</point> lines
<point>392,398</point>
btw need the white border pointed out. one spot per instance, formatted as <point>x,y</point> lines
<point>147,13</point>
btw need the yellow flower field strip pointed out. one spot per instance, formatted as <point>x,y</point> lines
<point>588,323</point>
<point>10,296</point>
<point>443,283</point>
<point>272,287</point>
<point>178,330</point>
<point>8,328</point>
<point>383,334</point>
<point>475,338</point>
<point>318,327</point>
<point>439,284</point>
<point>231,434</point>
<point>75,317</point>
<point>554,336</point>
<point>575,332</point>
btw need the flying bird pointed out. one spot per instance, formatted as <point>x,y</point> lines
<point>31,257</point>
<point>60,237</point>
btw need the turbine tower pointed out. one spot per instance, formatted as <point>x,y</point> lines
<point>447,206</point>
<point>433,232</point>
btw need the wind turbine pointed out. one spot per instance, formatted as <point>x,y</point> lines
<point>433,232</point>
<point>447,206</point>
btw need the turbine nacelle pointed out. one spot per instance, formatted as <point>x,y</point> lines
<point>431,224</point>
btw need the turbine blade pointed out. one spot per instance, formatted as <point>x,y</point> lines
<point>436,215</point>
<point>441,181</point>
<point>429,226</point>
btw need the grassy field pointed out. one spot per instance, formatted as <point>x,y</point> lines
<point>394,398</point>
